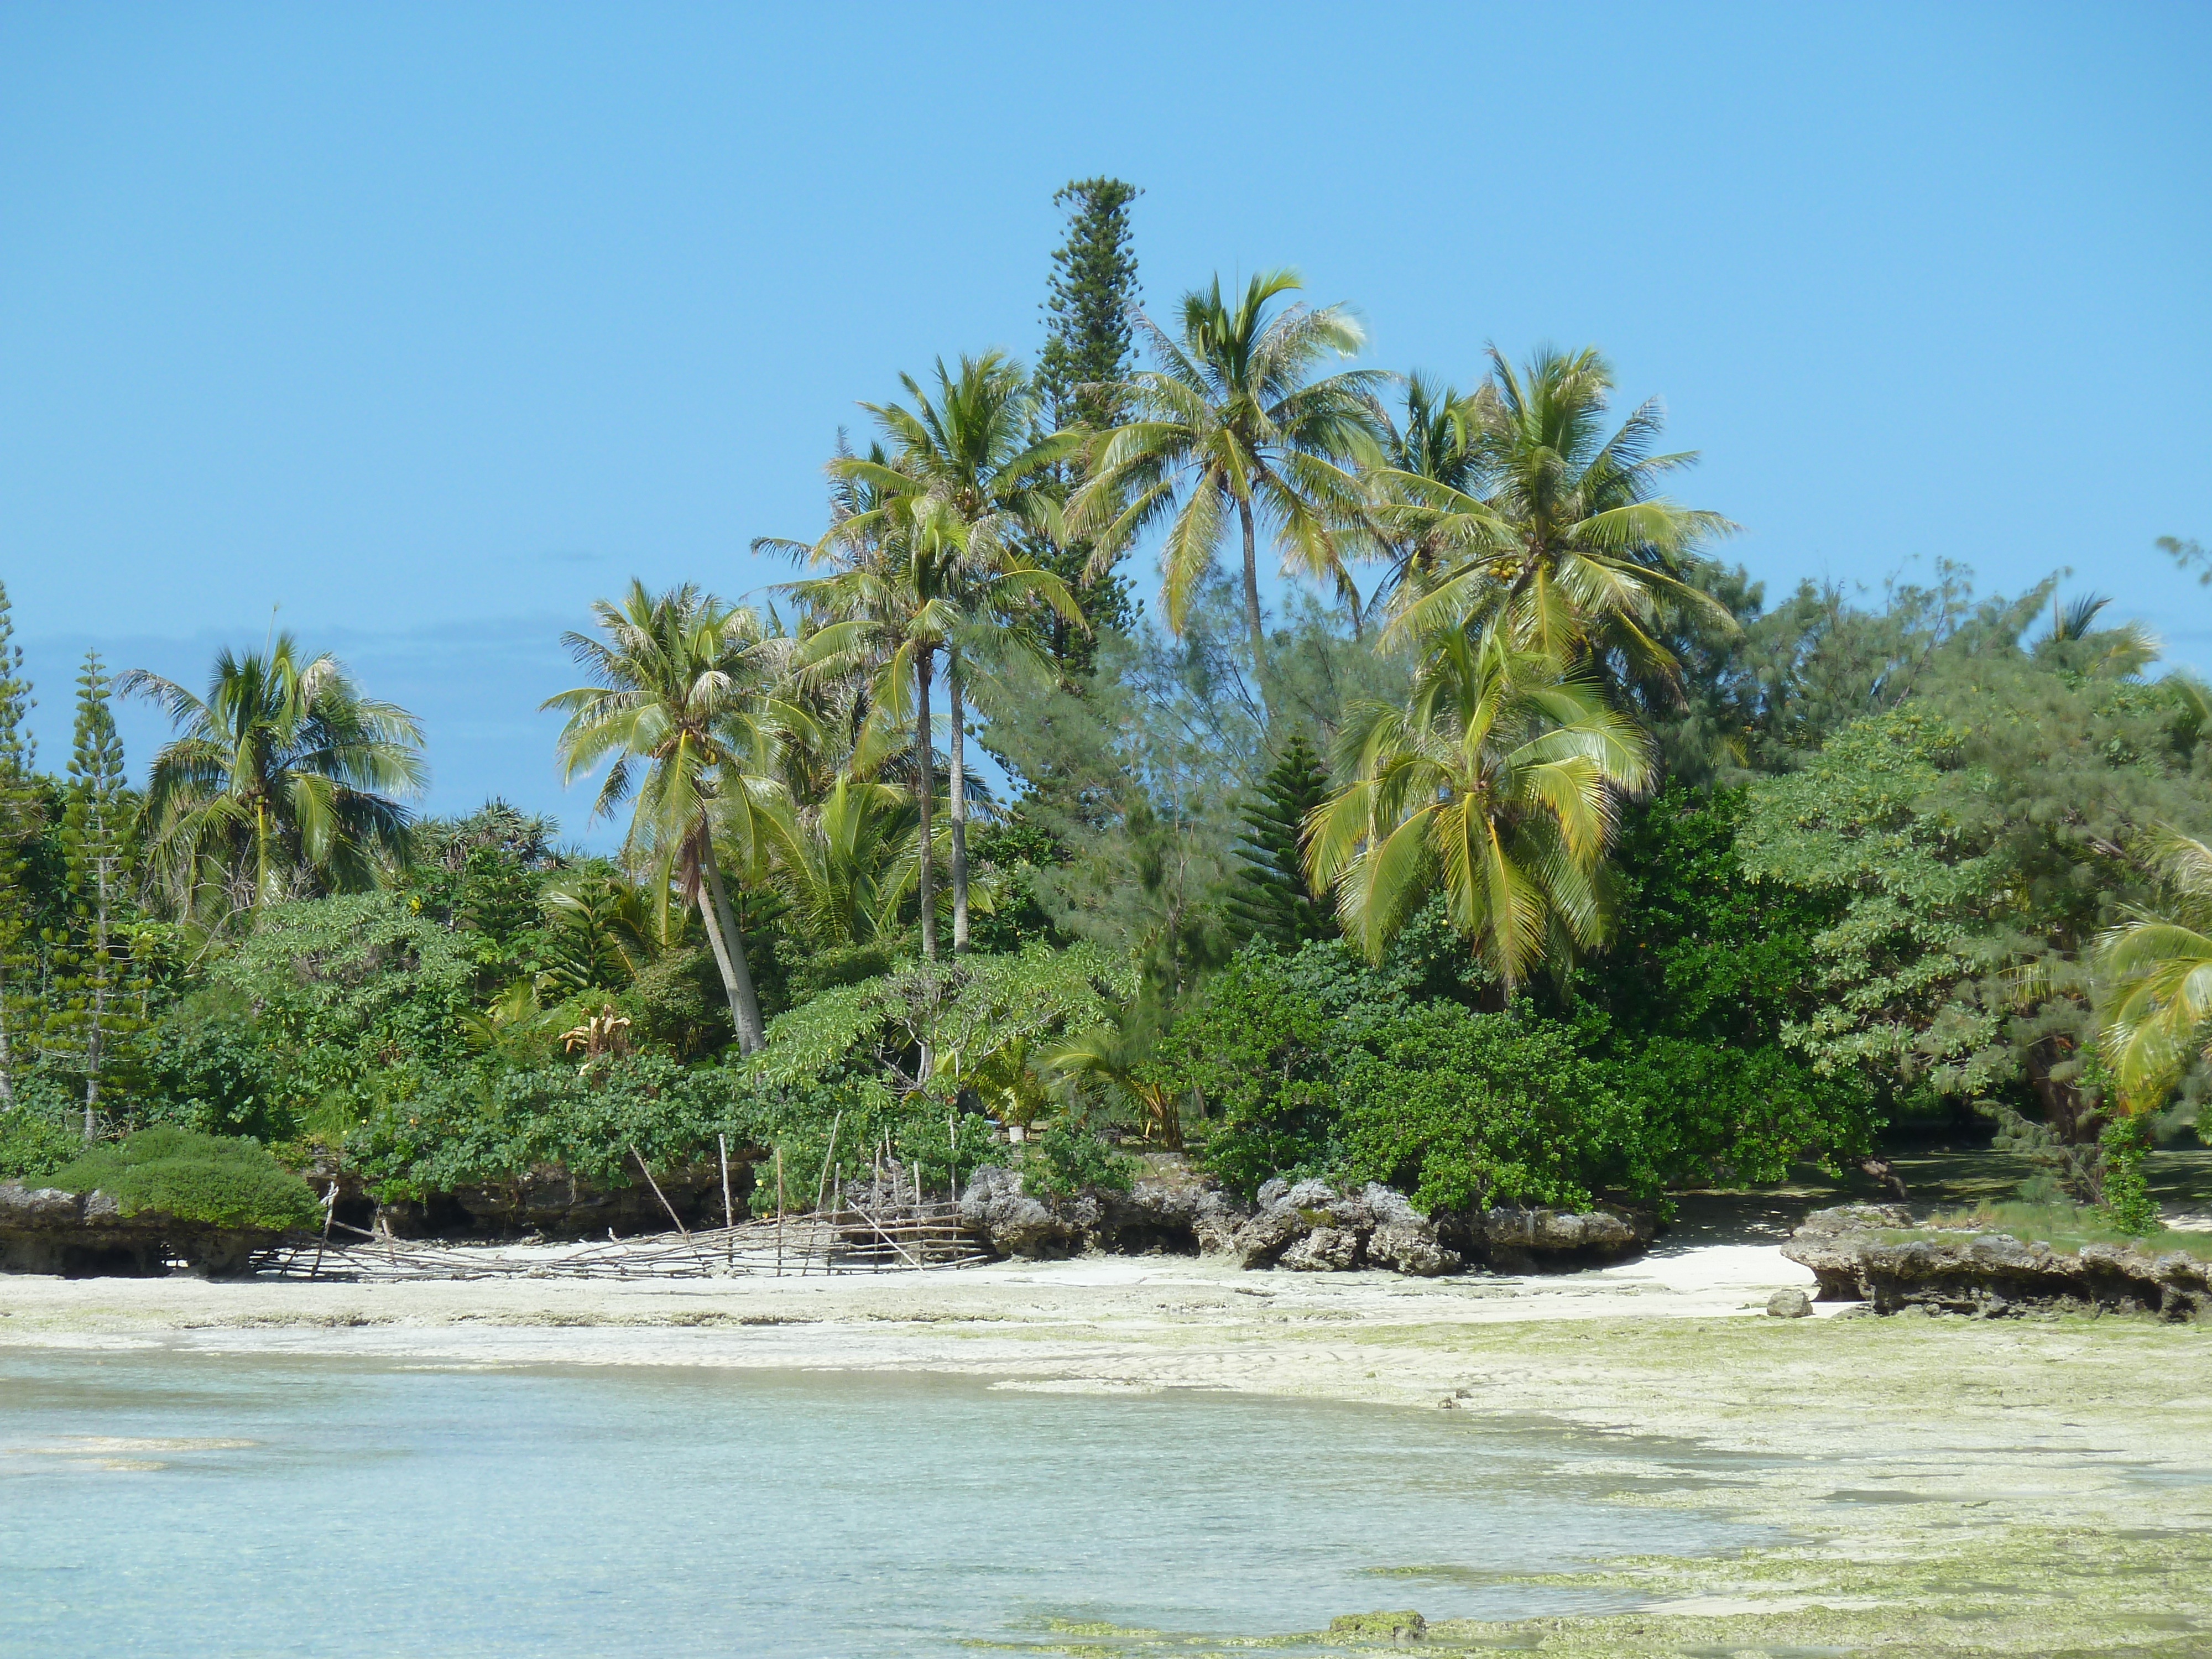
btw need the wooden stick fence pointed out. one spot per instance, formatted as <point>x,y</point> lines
<point>846,1239</point>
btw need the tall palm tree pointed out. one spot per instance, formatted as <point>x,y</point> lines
<point>926,543</point>
<point>687,707</point>
<point>1559,533</point>
<point>1434,444</point>
<point>1498,783</point>
<point>2156,973</point>
<point>1232,419</point>
<point>282,779</point>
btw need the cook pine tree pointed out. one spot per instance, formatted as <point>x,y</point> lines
<point>1271,898</point>
<point>1088,349</point>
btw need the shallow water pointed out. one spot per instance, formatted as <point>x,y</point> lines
<point>194,1505</point>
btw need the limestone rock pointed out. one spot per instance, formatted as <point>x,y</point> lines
<point>1264,1238</point>
<point>1792,1303</point>
<point>1171,1209</point>
<point>1957,1271</point>
<point>43,1230</point>
<point>1514,1240</point>
<point>1011,1222</point>
<point>1404,1240</point>
<point>1322,1250</point>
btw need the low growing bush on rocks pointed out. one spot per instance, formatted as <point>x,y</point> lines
<point>221,1180</point>
<point>1068,1157</point>
<point>1319,1065</point>
<point>1460,1111</point>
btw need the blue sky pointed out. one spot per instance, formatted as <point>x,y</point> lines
<point>430,324</point>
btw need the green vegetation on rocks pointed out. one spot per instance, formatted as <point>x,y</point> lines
<point>224,1181</point>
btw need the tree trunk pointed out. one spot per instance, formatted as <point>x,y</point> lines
<point>102,969</point>
<point>1252,622</point>
<point>957,781</point>
<point>2067,1111</point>
<point>729,947</point>
<point>7,1055</point>
<point>924,790</point>
<point>91,1071</point>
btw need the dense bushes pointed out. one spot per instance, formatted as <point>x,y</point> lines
<point>1461,1110</point>
<point>1656,1066</point>
<point>1317,1064</point>
<point>1706,971</point>
<point>40,1135</point>
<point>481,1125</point>
<point>223,1181</point>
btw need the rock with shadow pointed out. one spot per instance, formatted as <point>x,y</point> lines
<point>44,1229</point>
<point>1307,1226</point>
<point>1878,1254</point>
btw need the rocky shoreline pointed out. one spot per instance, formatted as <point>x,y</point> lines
<point>43,1230</point>
<point>1877,1254</point>
<point>1310,1226</point>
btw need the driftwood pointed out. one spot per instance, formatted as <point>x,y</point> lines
<point>841,1240</point>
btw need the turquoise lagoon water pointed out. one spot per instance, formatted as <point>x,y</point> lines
<point>191,1506</point>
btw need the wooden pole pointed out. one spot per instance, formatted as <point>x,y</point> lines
<point>729,1216</point>
<point>329,1214</point>
<point>662,1196</point>
<point>779,1212</point>
<point>821,1187</point>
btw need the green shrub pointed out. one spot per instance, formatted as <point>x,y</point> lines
<point>34,1143</point>
<point>1715,1114</point>
<point>221,1180</point>
<point>209,1067</point>
<point>1263,1047</point>
<point>1067,1158</point>
<point>2128,1203</point>
<point>1459,1110</point>
<point>474,1127</point>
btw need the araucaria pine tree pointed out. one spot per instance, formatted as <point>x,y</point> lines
<point>19,822</point>
<point>1088,349</point>
<point>1272,899</point>
<point>94,975</point>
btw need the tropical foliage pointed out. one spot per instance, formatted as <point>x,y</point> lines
<point>1520,854</point>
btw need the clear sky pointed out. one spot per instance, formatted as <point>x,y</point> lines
<point>429,324</point>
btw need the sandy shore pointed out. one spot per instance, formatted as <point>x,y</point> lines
<point>2013,1487</point>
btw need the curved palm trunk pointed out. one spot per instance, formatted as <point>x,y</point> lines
<point>925,789</point>
<point>956,782</point>
<point>729,948</point>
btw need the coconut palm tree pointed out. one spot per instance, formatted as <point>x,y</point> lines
<point>1496,783</point>
<point>282,779</point>
<point>2156,974</point>
<point>968,471</point>
<point>923,548</point>
<point>846,862</point>
<point>1435,444</point>
<point>1558,532</point>
<point>1233,421</point>
<point>687,707</point>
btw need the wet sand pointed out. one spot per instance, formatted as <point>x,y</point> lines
<point>1997,1486</point>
